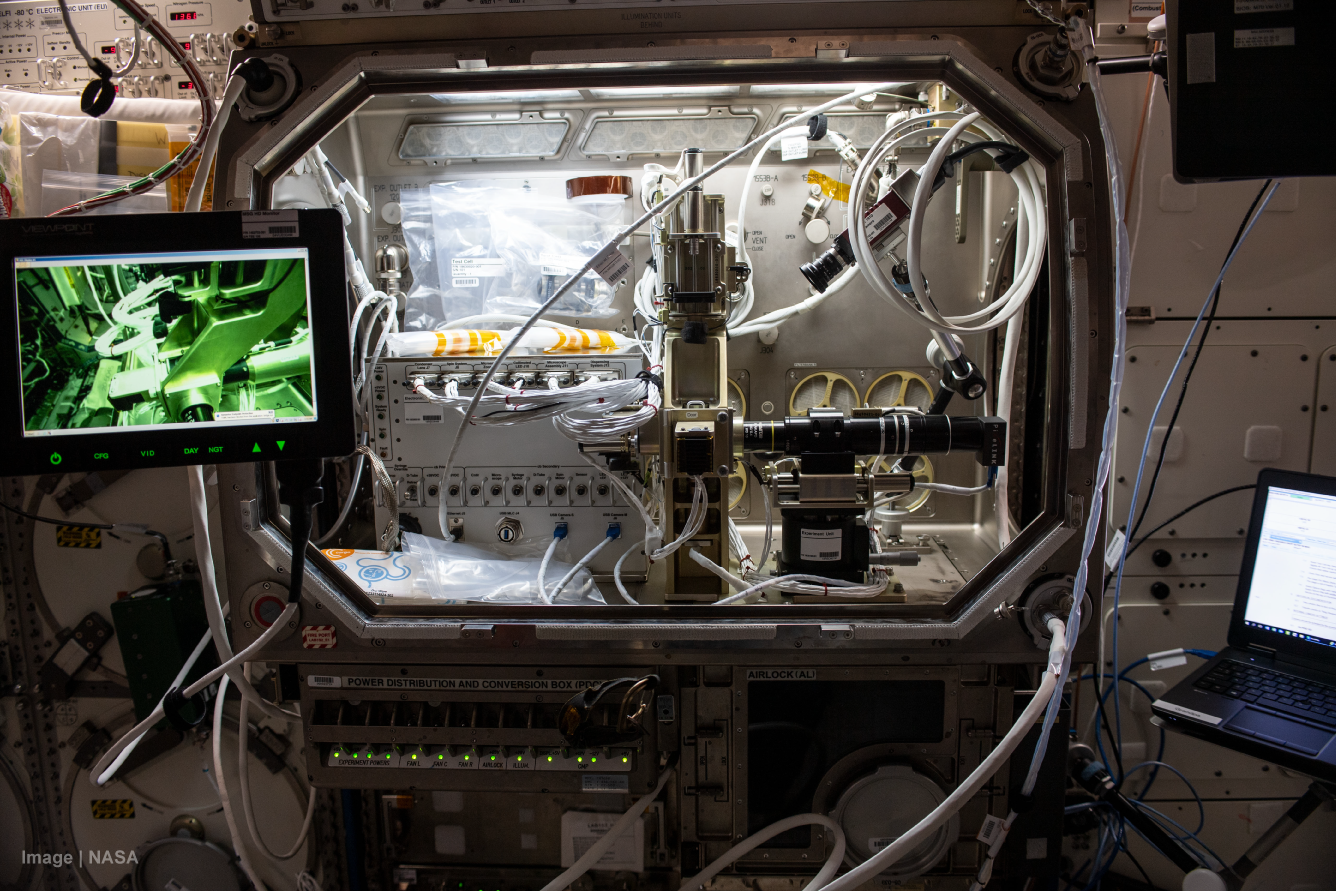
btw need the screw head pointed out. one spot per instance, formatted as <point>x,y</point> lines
<point>723,470</point>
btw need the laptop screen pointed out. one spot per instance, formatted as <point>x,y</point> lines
<point>1293,587</point>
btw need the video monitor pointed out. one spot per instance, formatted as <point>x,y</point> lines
<point>166,339</point>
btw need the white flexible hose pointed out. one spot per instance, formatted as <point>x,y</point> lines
<point>970,786</point>
<point>952,490</point>
<point>600,847</point>
<point>237,842</point>
<point>116,755</point>
<point>583,562</point>
<point>542,569</point>
<point>213,607</point>
<point>742,848</point>
<point>243,776</point>
<point>195,197</point>
<point>617,576</point>
<point>1122,268</point>
<point>176,682</point>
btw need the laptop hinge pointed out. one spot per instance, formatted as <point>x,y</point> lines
<point>1265,651</point>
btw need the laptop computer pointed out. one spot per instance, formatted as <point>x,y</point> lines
<point>1272,692</point>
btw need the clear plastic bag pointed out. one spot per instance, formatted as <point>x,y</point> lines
<point>543,244</point>
<point>479,247</point>
<point>453,571</point>
<point>61,189</point>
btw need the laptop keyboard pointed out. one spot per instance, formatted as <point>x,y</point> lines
<point>1283,693</point>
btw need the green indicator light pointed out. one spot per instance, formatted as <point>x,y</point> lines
<point>440,757</point>
<point>625,759</point>
<point>519,757</point>
<point>354,754</point>
<point>415,758</point>
<point>493,757</point>
<point>593,760</point>
<point>55,459</point>
<point>336,754</point>
<point>466,757</point>
<point>387,757</point>
<point>580,758</point>
<point>549,757</point>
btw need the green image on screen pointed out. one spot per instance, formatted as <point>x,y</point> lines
<point>164,339</point>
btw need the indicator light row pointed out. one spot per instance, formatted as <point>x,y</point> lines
<point>381,755</point>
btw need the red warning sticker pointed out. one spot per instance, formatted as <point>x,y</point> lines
<point>319,637</point>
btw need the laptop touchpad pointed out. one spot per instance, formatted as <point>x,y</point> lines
<point>1279,732</point>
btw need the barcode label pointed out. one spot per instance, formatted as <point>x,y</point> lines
<point>422,413</point>
<point>991,827</point>
<point>611,265</point>
<point>269,224</point>
<point>477,267</point>
<point>820,545</point>
<point>1113,554</point>
<point>793,148</point>
<point>887,213</point>
<point>323,680</point>
<point>464,282</point>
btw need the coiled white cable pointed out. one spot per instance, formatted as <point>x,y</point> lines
<point>921,309</point>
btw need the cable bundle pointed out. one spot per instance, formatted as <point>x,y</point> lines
<point>579,412</point>
<point>158,31</point>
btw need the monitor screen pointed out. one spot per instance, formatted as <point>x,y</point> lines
<point>149,341</point>
<point>169,339</point>
<point>1293,588</point>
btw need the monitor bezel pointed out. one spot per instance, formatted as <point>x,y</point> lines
<point>1242,635</point>
<point>330,434</point>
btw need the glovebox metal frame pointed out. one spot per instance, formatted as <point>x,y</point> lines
<point>338,79</point>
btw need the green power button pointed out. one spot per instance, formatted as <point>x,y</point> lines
<point>55,457</point>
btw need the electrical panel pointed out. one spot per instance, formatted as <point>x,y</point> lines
<point>38,55</point>
<point>511,487</point>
